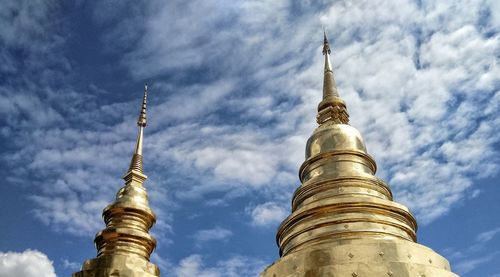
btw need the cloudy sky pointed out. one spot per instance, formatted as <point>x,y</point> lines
<point>233,91</point>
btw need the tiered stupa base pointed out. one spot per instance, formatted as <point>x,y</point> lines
<point>362,258</point>
<point>118,266</point>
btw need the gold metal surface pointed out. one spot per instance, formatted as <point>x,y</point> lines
<point>344,221</point>
<point>332,107</point>
<point>125,245</point>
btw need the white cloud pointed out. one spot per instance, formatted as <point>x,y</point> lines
<point>70,214</point>
<point>192,102</point>
<point>71,265</point>
<point>467,260</point>
<point>217,233</point>
<point>191,266</point>
<point>487,235</point>
<point>30,263</point>
<point>27,22</point>
<point>416,82</point>
<point>266,214</point>
<point>235,266</point>
<point>17,106</point>
<point>467,265</point>
<point>84,168</point>
<point>420,84</point>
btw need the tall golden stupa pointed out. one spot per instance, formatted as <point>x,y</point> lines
<point>125,245</point>
<point>344,222</point>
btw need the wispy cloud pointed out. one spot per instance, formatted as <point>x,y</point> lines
<point>467,265</point>
<point>235,266</point>
<point>421,85</point>
<point>214,234</point>
<point>266,214</point>
<point>71,265</point>
<point>487,235</point>
<point>467,260</point>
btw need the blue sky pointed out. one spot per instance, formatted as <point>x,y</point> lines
<point>233,91</point>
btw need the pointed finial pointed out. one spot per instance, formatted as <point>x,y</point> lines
<point>332,108</point>
<point>136,163</point>
<point>329,85</point>
<point>326,45</point>
<point>142,116</point>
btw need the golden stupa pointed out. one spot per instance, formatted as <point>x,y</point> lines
<point>125,245</point>
<point>344,222</point>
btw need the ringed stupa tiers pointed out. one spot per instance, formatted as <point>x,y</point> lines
<point>125,245</point>
<point>344,222</point>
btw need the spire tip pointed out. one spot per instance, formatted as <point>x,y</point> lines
<point>326,44</point>
<point>136,163</point>
<point>142,116</point>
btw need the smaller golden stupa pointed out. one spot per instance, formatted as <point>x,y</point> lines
<point>344,222</point>
<point>125,245</point>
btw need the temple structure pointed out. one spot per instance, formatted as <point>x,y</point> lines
<point>344,221</point>
<point>125,245</point>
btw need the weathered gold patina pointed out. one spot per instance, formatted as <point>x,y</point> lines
<point>125,245</point>
<point>344,222</point>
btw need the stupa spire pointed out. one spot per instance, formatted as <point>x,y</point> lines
<point>329,85</point>
<point>124,247</point>
<point>136,163</point>
<point>332,108</point>
<point>344,221</point>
